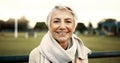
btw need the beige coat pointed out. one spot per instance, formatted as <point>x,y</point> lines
<point>35,57</point>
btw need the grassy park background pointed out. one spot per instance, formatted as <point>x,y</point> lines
<point>22,46</point>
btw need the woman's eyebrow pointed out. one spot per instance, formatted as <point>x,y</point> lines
<point>56,18</point>
<point>68,19</point>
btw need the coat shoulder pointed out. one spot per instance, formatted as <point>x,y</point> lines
<point>34,56</point>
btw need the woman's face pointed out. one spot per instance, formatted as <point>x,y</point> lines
<point>62,25</point>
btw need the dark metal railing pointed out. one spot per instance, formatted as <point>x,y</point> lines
<point>104,54</point>
<point>90,56</point>
<point>12,59</point>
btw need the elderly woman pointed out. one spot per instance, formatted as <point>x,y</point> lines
<point>60,45</point>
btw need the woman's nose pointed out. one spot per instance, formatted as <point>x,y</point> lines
<point>62,26</point>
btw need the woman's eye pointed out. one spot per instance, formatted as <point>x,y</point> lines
<point>56,21</point>
<point>68,22</point>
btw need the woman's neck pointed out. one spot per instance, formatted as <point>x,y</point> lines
<point>65,45</point>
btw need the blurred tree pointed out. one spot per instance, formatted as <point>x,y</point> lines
<point>10,24</point>
<point>110,20</point>
<point>90,28</point>
<point>81,28</point>
<point>23,24</point>
<point>40,26</point>
<point>2,23</point>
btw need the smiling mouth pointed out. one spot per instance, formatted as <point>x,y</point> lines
<point>61,33</point>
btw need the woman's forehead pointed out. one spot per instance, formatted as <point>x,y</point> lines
<point>61,13</point>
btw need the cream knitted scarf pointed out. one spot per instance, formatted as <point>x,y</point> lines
<point>51,51</point>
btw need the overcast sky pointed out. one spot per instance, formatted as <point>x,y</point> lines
<point>37,10</point>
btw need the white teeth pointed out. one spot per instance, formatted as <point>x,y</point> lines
<point>62,32</point>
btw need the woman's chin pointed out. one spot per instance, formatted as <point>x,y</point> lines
<point>62,39</point>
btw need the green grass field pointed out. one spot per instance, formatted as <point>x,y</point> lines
<point>22,46</point>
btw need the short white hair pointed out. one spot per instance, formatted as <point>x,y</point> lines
<point>61,7</point>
